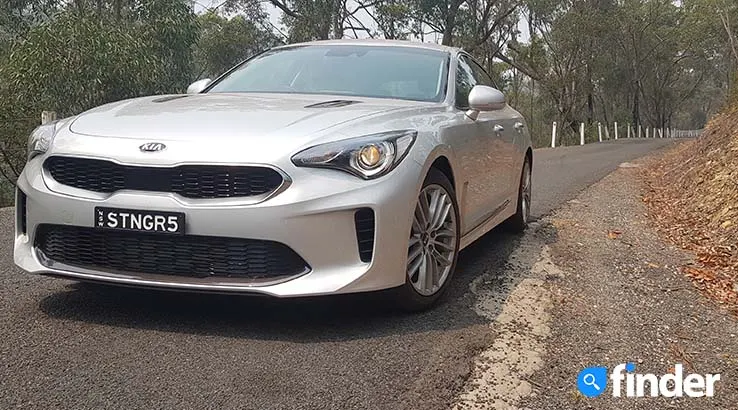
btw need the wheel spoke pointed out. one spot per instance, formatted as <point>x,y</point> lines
<point>414,240</point>
<point>414,267</point>
<point>446,247</point>
<point>420,220</point>
<point>414,253</point>
<point>445,233</point>
<point>437,270</point>
<point>436,203</point>
<point>442,215</point>
<point>422,271</point>
<point>416,229</point>
<point>430,268</point>
<point>425,210</point>
<point>440,259</point>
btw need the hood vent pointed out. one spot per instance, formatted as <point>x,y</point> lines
<point>332,104</point>
<point>168,98</point>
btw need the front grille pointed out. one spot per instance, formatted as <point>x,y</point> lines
<point>180,255</point>
<point>191,181</point>
<point>21,212</point>
<point>364,219</point>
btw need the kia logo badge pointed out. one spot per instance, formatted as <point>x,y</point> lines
<point>152,147</point>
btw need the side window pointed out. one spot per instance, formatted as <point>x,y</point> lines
<point>481,75</point>
<point>465,81</point>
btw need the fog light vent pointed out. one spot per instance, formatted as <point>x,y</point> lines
<point>20,211</point>
<point>364,218</point>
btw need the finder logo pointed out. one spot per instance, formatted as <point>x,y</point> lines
<point>593,381</point>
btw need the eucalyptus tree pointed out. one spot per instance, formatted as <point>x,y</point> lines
<point>86,54</point>
<point>224,42</point>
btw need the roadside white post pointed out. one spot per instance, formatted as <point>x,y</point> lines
<point>628,130</point>
<point>553,135</point>
<point>616,130</point>
<point>639,130</point>
<point>599,130</point>
<point>47,117</point>
<point>647,132</point>
<point>581,134</point>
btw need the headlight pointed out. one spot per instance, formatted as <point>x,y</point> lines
<point>368,157</point>
<point>41,138</point>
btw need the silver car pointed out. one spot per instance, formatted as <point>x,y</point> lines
<point>311,169</point>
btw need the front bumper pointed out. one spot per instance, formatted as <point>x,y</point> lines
<point>314,216</point>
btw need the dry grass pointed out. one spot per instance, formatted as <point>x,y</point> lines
<point>693,198</point>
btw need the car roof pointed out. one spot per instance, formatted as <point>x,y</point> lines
<point>380,42</point>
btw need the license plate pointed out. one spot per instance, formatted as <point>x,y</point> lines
<point>140,220</point>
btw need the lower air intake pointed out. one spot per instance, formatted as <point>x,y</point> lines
<point>364,219</point>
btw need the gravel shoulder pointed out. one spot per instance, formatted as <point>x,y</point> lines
<point>619,297</point>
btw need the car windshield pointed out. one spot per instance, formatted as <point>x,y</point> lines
<point>365,71</point>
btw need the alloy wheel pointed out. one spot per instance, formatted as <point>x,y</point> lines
<point>525,193</point>
<point>433,242</point>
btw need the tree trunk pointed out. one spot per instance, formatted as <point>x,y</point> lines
<point>450,23</point>
<point>636,109</point>
<point>338,19</point>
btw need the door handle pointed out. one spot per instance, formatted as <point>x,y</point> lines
<point>519,126</point>
<point>498,128</point>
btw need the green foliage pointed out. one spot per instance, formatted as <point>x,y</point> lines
<point>653,62</point>
<point>225,42</point>
<point>79,60</point>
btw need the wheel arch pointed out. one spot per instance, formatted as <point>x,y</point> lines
<point>441,159</point>
<point>441,163</point>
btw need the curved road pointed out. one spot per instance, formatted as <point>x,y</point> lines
<point>73,346</point>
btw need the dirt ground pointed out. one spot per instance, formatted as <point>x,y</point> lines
<point>606,290</point>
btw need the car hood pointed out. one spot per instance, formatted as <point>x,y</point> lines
<point>241,116</point>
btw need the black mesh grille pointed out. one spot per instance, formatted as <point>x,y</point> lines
<point>364,219</point>
<point>191,181</point>
<point>181,255</point>
<point>21,212</point>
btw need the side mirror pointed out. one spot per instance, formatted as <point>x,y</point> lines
<point>198,86</point>
<point>484,98</point>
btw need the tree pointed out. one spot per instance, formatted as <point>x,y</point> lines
<point>85,57</point>
<point>225,42</point>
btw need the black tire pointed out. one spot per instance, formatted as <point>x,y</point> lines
<point>406,296</point>
<point>519,222</point>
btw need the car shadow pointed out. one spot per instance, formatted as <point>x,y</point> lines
<point>307,320</point>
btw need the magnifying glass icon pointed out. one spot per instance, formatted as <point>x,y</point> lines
<point>589,380</point>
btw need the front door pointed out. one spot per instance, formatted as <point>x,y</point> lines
<point>483,152</point>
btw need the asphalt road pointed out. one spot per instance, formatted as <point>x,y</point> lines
<point>72,346</point>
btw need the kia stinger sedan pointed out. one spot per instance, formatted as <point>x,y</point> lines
<point>321,168</point>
